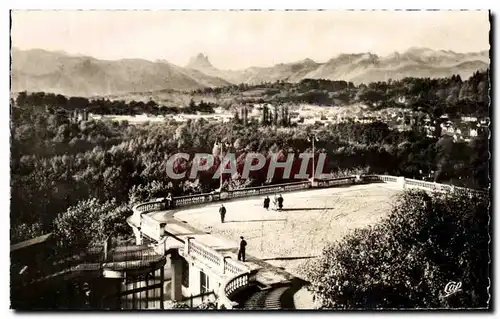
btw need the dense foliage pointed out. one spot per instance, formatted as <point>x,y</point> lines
<point>407,260</point>
<point>434,96</point>
<point>103,106</point>
<point>58,163</point>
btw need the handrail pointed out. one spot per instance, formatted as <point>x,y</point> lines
<point>197,249</point>
<point>229,287</point>
<point>156,205</point>
<point>431,186</point>
<point>236,273</point>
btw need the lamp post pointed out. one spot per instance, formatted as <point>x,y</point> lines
<point>313,138</point>
<point>221,155</point>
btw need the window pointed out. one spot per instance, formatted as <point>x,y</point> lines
<point>204,283</point>
<point>185,273</point>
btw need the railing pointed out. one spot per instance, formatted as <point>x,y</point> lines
<point>212,258</point>
<point>196,300</point>
<point>350,180</point>
<point>269,189</point>
<point>435,187</point>
<point>150,206</point>
<point>141,209</point>
<point>139,219</point>
<point>233,267</point>
<point>430,186</point>
<point>371,178</point>
<point>230,287</point>
<point>236,273</point>
<point>152,228</point>
<point>205,254</point>
<point>387,178</point>
<point>194,199</point>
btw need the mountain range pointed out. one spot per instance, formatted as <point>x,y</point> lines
<point>77,75</point>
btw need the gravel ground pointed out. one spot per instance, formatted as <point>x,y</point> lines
<point>310,220</point>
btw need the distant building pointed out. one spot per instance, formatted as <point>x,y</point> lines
<point>365,119</point>
<point>468,119</point>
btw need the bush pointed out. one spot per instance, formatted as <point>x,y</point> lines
<point>90,222</point>
<point>407,260</point>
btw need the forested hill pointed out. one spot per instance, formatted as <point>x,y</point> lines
<point>71,176</point>
<point>452,95</point>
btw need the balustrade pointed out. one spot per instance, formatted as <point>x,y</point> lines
<point>230,287</point>
<point>435,187</point>
<point>205,254</point>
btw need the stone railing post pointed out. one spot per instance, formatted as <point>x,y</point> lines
<point>161,230</point>
<point>402,182</point>
<point>186,245</point>
<point>223,265</point>
<point>161,246</point>
<point>138,236</point>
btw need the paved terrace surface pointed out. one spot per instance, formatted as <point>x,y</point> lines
<point>310,220</point>
<point>277,287</point>
<point>281,242</point>
<point>178,230</point>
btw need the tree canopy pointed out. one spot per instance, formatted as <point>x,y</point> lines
<point>407,260</point>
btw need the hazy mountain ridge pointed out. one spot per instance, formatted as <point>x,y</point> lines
<point>59,72</point>
<point>39,70</point>
<point>358,67</point>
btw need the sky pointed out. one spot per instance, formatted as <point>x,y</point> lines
<point>240,39</point>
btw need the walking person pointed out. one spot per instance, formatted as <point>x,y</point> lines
<point>280,202</point>
<point>266,202</point>
<point>222,212</point>
<point>168,201</point>
<point>241,252</point>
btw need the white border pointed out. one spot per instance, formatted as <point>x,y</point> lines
<point>186,4</point>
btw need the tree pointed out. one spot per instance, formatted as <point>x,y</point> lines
<point>89,222</point>
<point>407,260</point>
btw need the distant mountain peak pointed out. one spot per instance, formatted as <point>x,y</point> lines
<point>419,50</point>
<point>199,61</point>
<point>308,61</point>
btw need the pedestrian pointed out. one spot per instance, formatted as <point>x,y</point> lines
<point>280,202</point>
<point>168,201</point>
<point>222,211</point>
<point>266,202</point>
<point>241,252</point>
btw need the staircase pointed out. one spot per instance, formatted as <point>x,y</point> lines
<point>257,298</point>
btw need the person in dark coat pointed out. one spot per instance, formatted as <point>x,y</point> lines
<point>280,202</point>
<point>222,212</point>
<point>241,252</point>
<point>266,202</point>
<point>169,201</point>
